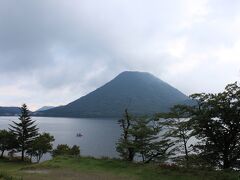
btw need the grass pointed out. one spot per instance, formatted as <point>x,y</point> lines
<point>90,168</point>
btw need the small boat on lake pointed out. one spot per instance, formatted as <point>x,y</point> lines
<point>79,135</point>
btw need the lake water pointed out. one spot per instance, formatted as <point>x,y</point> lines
<point>99,135</point>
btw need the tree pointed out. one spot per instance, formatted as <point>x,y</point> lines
<point>75,150</point>
<point>217,126</point>
<point>25,131</point>
<point>64,149</point>
<point>148,142</point>
<point>140,136</point>
<point>41,145</point>
<point>124,144</point>
<point>7,141</point>
<point>179,129</point>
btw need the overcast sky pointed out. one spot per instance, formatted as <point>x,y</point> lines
<point>55,51</point>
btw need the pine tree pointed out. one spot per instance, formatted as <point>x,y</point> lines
<point>25,131</point>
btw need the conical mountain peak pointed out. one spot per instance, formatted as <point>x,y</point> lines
<point>140,92</point>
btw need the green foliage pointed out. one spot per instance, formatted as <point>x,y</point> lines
<point>64,149</point>
<point>7,141</point>
<point>147,141</point>
<point>41,145</point>
<point>75,150</point>
<point>217,125</point>
<point>25,131</point>
<point>140,137</point>
<point>124,145</point>
<point>24,137</point>
<point>179,128</point>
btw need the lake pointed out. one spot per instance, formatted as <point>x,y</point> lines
<point>99,135</point>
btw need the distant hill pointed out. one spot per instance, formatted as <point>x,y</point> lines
<point>44,108</point>
<point>9,111</point>
<point>140,92</point>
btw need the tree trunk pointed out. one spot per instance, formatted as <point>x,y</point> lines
<point>40,157</point>
<point>2,153</point>
<point>186,152</point>
<point>22,155</point>
<point>130,154</point>
<point>226,159</point>
<point>143,159</point>
<point>226,164</point>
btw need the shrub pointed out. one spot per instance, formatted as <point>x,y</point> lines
<point>64,149</point>
<point>75,150</point>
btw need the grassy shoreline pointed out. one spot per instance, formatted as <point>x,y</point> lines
<point>90,168</point>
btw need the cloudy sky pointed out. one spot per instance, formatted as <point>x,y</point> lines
<point>54,51</point>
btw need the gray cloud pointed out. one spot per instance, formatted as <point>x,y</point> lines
<point>52,52</point>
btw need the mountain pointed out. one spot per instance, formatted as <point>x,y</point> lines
<point>44,108</point>
<point>140,92</point>
<point>9,111</point>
